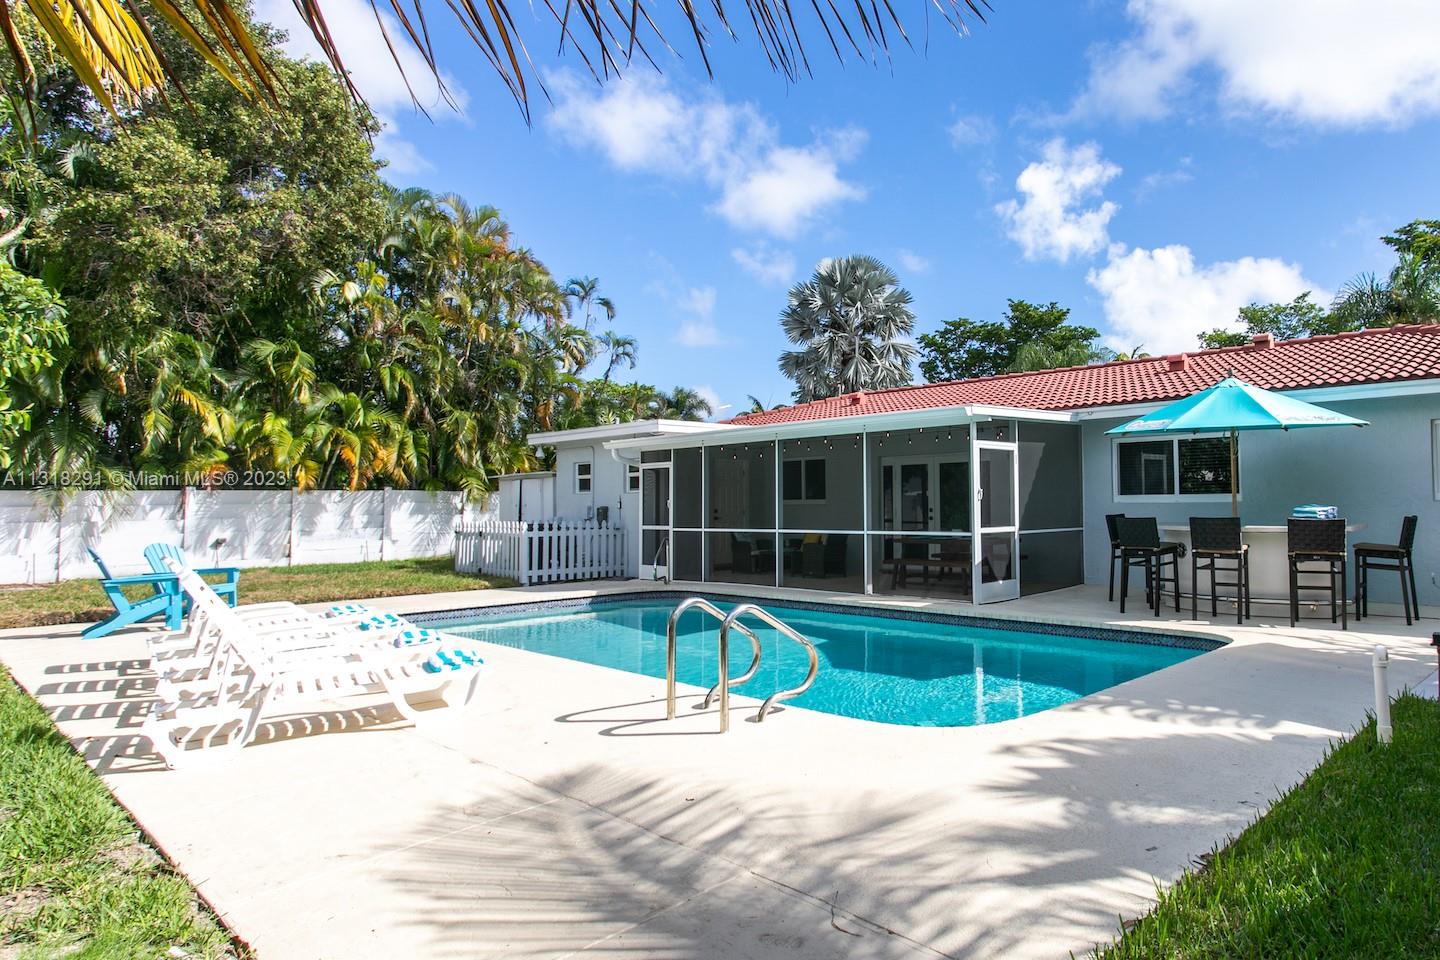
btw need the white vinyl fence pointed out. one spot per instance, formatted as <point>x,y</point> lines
<point>43,539</point>
<point>546,552</point>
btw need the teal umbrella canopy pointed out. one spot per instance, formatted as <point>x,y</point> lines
<point>1231,406</point>
<point>1234,405</point>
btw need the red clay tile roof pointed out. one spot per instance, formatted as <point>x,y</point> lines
<point>1405,352</point>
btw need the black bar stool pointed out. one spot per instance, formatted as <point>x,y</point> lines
<point>1115,555</point>
<point>1216,547</point>
<point>1141,546</point>
<point>1313,542</point>
<point>1399,557</point>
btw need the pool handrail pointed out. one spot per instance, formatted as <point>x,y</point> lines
<point>760,613</point>
<point>725,683</point>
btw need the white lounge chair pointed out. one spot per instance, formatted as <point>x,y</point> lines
<point>188,656</point>
<point>266,669</point>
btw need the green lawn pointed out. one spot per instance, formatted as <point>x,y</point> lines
<point>1345,865</point>
<point>76,601</point>
<point>76,878</point>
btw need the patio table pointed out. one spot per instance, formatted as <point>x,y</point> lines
<point>1269,570</point>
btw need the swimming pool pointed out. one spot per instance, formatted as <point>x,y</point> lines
<point>927,670</point>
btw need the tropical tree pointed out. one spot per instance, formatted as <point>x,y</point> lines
<point>583,296</point>
<point>1301,317</point>
<point>243,291</point>
<point>851,321</point>
<point>617,349</point>
<point>1030,336</point>
<point>682,403</point>
<point>1410,294</point>
<point>32,332</point>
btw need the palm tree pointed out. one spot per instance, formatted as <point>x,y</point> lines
<point>584,291</point>
<point>112,45</point>
<point>851,320</point>
<point>682,403</point>
<point>618,349</point>
<point>1038,355</point>
<point>1411,294</point>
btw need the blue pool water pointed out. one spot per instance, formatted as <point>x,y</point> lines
<point>872,667</point>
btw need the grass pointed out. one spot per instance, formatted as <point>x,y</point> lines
<point>79,601</point>
<point>1347,864</point>
<point>76,879</point>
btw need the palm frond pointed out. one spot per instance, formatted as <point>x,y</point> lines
<point>110,45</point>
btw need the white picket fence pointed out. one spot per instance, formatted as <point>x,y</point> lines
<point>547,552</point>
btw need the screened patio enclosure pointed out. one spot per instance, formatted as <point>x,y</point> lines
<point>969,506</point>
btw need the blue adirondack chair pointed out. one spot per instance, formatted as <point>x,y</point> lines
<point>228,589</point>
<point>166,601</point>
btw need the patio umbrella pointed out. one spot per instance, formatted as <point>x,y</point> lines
<point>1233,405</point>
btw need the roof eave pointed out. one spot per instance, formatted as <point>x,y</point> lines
<point>900,420</point>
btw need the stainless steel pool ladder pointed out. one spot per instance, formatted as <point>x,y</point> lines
<point>725,682</point>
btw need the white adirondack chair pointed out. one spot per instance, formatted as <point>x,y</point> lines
<point>267,669</point>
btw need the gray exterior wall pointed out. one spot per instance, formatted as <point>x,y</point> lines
<point>1375,475</point>
<point>607,489</point>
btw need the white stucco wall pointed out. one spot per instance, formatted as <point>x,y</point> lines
<point>1375,475</point>
<point>607,489</point>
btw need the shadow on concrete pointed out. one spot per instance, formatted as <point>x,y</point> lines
<point>1042,851</point>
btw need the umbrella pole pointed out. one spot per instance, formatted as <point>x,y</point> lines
<point>1234,480</point>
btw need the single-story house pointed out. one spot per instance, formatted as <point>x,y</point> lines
<point>990,488</point>
<point>588,482</point>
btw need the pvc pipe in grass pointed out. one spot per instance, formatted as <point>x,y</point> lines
<point>1381,661</point>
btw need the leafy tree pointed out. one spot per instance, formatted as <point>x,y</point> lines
<point>1418,238</point>
<point>246,293</point>
<point>1301,317</point>
<point>850,320</point>
<point>32,332</point>
<point>1030,337</point>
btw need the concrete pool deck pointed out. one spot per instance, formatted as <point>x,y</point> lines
<point>560,815</point>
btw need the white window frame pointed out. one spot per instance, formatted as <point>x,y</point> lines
<point>1177,496</point>
<point>632,478</point>
<point>588,476</point>
<point>804,470</point>
<point>1435,455</point>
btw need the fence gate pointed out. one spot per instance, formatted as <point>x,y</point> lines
<point>547,552</point>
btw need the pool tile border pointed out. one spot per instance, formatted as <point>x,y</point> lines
<point>1083,631</point>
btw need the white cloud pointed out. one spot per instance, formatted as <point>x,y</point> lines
<point>1160,179</point>
<point>971,130</point>
<point>1327,62</point>
<point>698,329</point>
<point>912,262</point>
<point>642,125</point>
<point>766,264</point>
<point>1162,299</point>
<point>1048,220</point>
<point>372,69</point>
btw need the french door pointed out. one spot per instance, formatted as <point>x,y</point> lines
<point>654,520</point>
<point>926,494</point>
<point>996,543</point>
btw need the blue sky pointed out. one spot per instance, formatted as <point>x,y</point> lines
<point>1152,165</point>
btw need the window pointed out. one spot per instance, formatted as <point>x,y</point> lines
<point>632,477</point>
<point>1184,466</point>
<point>804,480</point>
<point>582,477</point>
<point>1435,455</point>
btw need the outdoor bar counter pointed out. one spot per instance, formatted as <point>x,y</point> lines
<point>1269,569</point>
